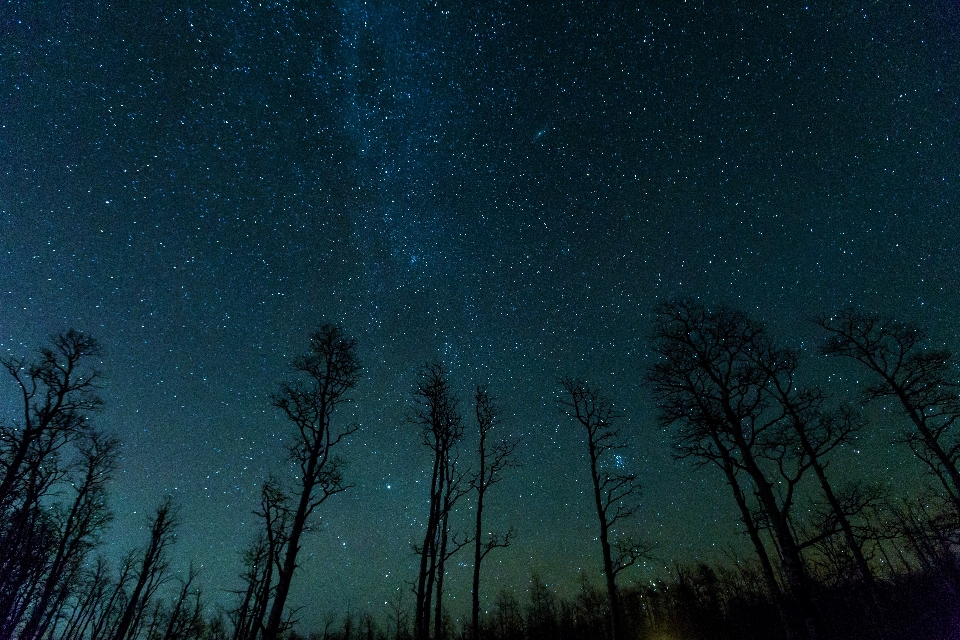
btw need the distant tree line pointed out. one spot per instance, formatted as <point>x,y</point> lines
<point>832,557</point>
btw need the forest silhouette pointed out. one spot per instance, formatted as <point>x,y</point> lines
<point>832,556</point>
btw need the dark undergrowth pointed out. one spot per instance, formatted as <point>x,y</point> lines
<point>705,603</point>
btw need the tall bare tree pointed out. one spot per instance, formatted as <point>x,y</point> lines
<point>57,393</point>
<point>154,571</point>
<point>261,560</point>
<point>327,373</point>
<point>616,493</point>
<point>492,459</point>
<point>922,381</point>
<point>185,619</point>
<point>89,597</point>
<point>106,611</point>
<point>816,432</point>
<point>77,528</point>
<point>708,381</point>
<point>39,549</point>
<point>437,414</point>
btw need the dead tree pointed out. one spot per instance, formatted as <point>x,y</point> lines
<point>708,382</point>
<point>107,615</point>
<point>809,426</point>
<point>185,620</point>
<point>57,394</point>
<point>247,617</point>
<point>28,538</point>
<point>400,617</point>
<point>836,563</point>
<point>76,529</point>
<point>261,562</point>
<point>153,572</point>
<point>437,414</point>
<point>492,461</point>
<point>91,595</point>
<point>106,612</point>
<point>921,380</point>
<point>616,493</point>
<point>449,543</point>
<point>328,372</point>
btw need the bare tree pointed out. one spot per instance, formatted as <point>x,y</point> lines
<point>106,612</point>
<point>841,562</point>
<point>809,427</point>
<point>77,529</point>
<point>921,380</point>
<point>57,393</point>
<point>455,487</point>
<point>247,617</point>
<point>90,596</point>
<point>153,572</point>
<point>437,414</point>
<point>28,538</point>
<point>492,461</point>
<point>328,372</point>
<point>616,493</point>
<point>709,382</point>
<point>400,617</point>
<point>261,560</point>
<point>185,619</point>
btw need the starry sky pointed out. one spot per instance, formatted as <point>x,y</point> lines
<point>508,188</point>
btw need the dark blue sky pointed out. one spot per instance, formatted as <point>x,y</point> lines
<point>508,188</point>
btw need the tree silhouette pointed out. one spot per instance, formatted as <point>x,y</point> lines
<point>710,382</point>
<point>43,542</point>
<point>328,371</point>
<point>105,612</point>
<point>261,562</point>
<point>492,460</point>
<point>184,619</point>
<point>248,616</point>
<point>154,568</point>
<point>90,598</point>
<point>57,394</point>
<point>77,527</point>
<point>437,414</point>
<point>733,395</point>
<point>615,493</point>
<point>921,380</point>
<point>809,427</point>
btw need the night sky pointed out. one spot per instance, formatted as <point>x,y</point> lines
<point>508,189</point>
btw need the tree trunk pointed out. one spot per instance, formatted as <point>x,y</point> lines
<point>612,594</point>
<point>477,557</point>
<point>285,575</point>
<point>421,624</point>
